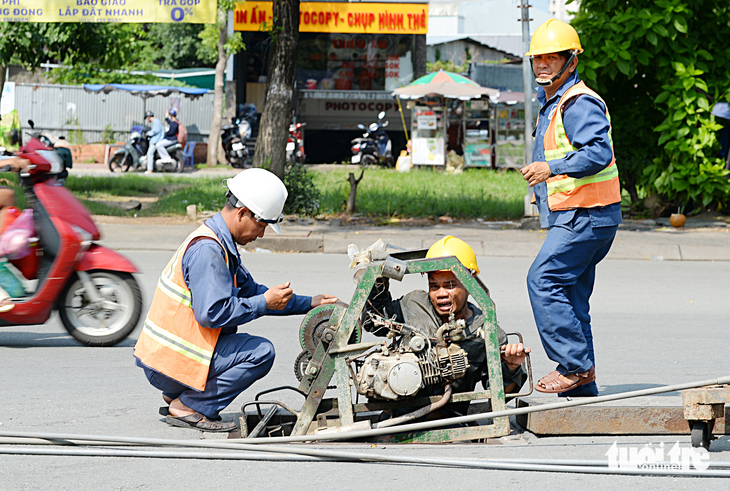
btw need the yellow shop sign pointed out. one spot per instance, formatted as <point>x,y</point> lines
<point>340,17</point>
<point>131,11</point>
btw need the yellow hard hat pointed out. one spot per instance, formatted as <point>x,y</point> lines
<point>554,36</point>
<point>451,246</point>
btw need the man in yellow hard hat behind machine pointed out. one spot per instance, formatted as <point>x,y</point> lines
<point>430,310</point>
<point>576,187</point>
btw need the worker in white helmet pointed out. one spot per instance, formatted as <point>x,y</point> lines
<point>189,347</point>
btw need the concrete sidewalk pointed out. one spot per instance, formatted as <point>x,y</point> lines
<point>101,170</point>
<point>643,240</point>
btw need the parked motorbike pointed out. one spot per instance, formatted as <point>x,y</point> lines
<point>233,139</point>
<point>134,155</point>
<point>295,144</point>
<point>374,148</point>
<point>92,287</point>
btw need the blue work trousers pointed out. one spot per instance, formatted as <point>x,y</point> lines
<point>238,361</point>
<point>560,283</point>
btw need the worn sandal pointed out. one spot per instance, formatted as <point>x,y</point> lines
<point>553,384</point>
<point>197,421</point>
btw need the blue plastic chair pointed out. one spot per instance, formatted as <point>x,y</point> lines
<point>188,153</point>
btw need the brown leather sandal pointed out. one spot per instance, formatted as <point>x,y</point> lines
<point>553,384</point>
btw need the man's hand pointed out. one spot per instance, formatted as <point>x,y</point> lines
<point>514,354</point>
<point>323,299</point>
<point>536,172</point>
<point>278,296</point>
<point>16,164</point>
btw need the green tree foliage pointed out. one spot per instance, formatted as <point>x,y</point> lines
<point>661,65</point>
<point>29,44</point>
<point>207,49</point>
<point>178,46</point>
<point>103,53</point>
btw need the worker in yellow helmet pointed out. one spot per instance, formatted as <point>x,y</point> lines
<point>576,188</point>
<point>428,311</point>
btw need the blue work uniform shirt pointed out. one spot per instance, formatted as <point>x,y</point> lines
<point>586,125</point>
<point>216,301</point>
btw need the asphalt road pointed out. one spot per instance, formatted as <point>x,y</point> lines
<point>655,323</point>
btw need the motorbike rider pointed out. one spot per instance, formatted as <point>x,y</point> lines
<point>170,136</point>
<point>8,281</point>
<point>155,134</point>
<point>189,347</point>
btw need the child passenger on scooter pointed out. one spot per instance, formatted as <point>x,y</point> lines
<point>8,281</point>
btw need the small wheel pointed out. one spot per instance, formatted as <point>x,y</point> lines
<point>120,163</point>
<point>103,323</point>
<point>700,435</point>
<point>179,163</point>
<point>300,364</point>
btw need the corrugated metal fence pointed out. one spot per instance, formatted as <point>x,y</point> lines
<point>84,117</point>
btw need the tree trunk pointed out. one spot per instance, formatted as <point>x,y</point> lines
<point>276,117</point>
<point>220,69</point>
<point>352,197</point>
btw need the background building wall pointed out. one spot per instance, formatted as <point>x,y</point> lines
<point>82,117</point>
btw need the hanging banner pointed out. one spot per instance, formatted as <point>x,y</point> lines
<point>339,17</point>
<point>129,11</point>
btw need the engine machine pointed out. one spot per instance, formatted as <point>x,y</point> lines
<point>387,374</point>
<point>393,373</point>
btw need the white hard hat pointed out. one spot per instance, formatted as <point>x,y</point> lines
<point>261,192</point>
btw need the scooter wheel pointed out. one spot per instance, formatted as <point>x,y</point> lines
<point>108,321</point>
<point>120,163</point>
<point>179,163</point>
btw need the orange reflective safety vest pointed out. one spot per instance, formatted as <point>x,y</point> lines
<point>172,342</point>
<point>567,193</point>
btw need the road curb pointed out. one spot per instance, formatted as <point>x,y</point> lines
<point>311,244</point>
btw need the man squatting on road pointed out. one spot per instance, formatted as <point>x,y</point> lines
<point>189,347</point>
<point>578,195</point>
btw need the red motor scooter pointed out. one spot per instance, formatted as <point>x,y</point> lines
<point>295,144</point>
<point>98,299</point>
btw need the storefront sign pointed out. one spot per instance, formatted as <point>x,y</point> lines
<point>428,151</point>
<point>340,114</point>
<point>347,95</point>
<point>340,17</point>
<point>478,152</point>
<point>426,122</point>
<point>130,11</point>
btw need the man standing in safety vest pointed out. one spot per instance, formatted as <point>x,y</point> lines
<point>189,347</point>
<point>576,188</point>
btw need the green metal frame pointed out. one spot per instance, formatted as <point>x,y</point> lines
<point>329,360</point>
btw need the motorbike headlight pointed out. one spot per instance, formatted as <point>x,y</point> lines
<point>373,127</point>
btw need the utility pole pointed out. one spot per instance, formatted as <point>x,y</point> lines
<point>527,78</point>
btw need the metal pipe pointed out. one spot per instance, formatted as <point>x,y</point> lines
<point>588,463</point>
<point>418,413</point>
<point>324,455</point>
<point>414,426</point>
<point>159,454</point>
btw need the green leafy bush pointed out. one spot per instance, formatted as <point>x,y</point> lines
<point>303,196</point>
